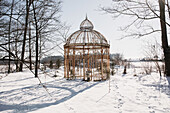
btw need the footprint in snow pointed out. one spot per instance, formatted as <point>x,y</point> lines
<point>116,86</point>
<point>137,98</point>
<point>120,103</point>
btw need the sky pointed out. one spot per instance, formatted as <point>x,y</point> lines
<point>74,12</point>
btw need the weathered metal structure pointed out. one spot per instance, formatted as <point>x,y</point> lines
<point>86,54</point>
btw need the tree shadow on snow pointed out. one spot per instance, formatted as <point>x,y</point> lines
<point>30,99</point>
<point>161,88</point>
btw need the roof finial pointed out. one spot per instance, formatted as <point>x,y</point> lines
<point>86,16</point>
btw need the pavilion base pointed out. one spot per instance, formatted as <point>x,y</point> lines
<point>87,79</point>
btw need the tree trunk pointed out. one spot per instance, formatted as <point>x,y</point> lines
<point>36,45</point>
<point>9,37</point>
<point>167,62</point>
<point>25,33</point>
<point>165,46</point>
<point>40,50</point>
<point>30,55</point>
<point>16,51</point>
<point>168,8</point>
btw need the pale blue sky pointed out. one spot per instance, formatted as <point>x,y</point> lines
<point>74,12</point>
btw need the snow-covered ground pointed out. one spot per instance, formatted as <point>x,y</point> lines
<point>21,93</point>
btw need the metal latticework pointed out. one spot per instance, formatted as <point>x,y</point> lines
<point>86,54</point>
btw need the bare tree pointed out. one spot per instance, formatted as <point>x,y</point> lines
<point>9,38</point>
<point>30,47</point>
<point>143,12</point>
<point>154,53</point>
<point>37,37</point>
<point>32,23</point>
<point>165,45</point>
<point>28,3</point>
<point>117,59</point>
<point>46,22</point>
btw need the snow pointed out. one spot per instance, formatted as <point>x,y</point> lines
<point>168,79</point>
<point>21,93</point>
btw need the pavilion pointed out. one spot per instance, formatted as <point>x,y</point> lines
<point>86,54</point>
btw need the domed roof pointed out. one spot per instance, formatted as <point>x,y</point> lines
<point>86,35</point>
<point>86,25</point>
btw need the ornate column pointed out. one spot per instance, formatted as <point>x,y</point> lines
<point>68,63</point>
<point>108,63</point>
<point>65,63</point>
<point>83,63</point>
<point>102,62</point>
<point>73,63</point>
